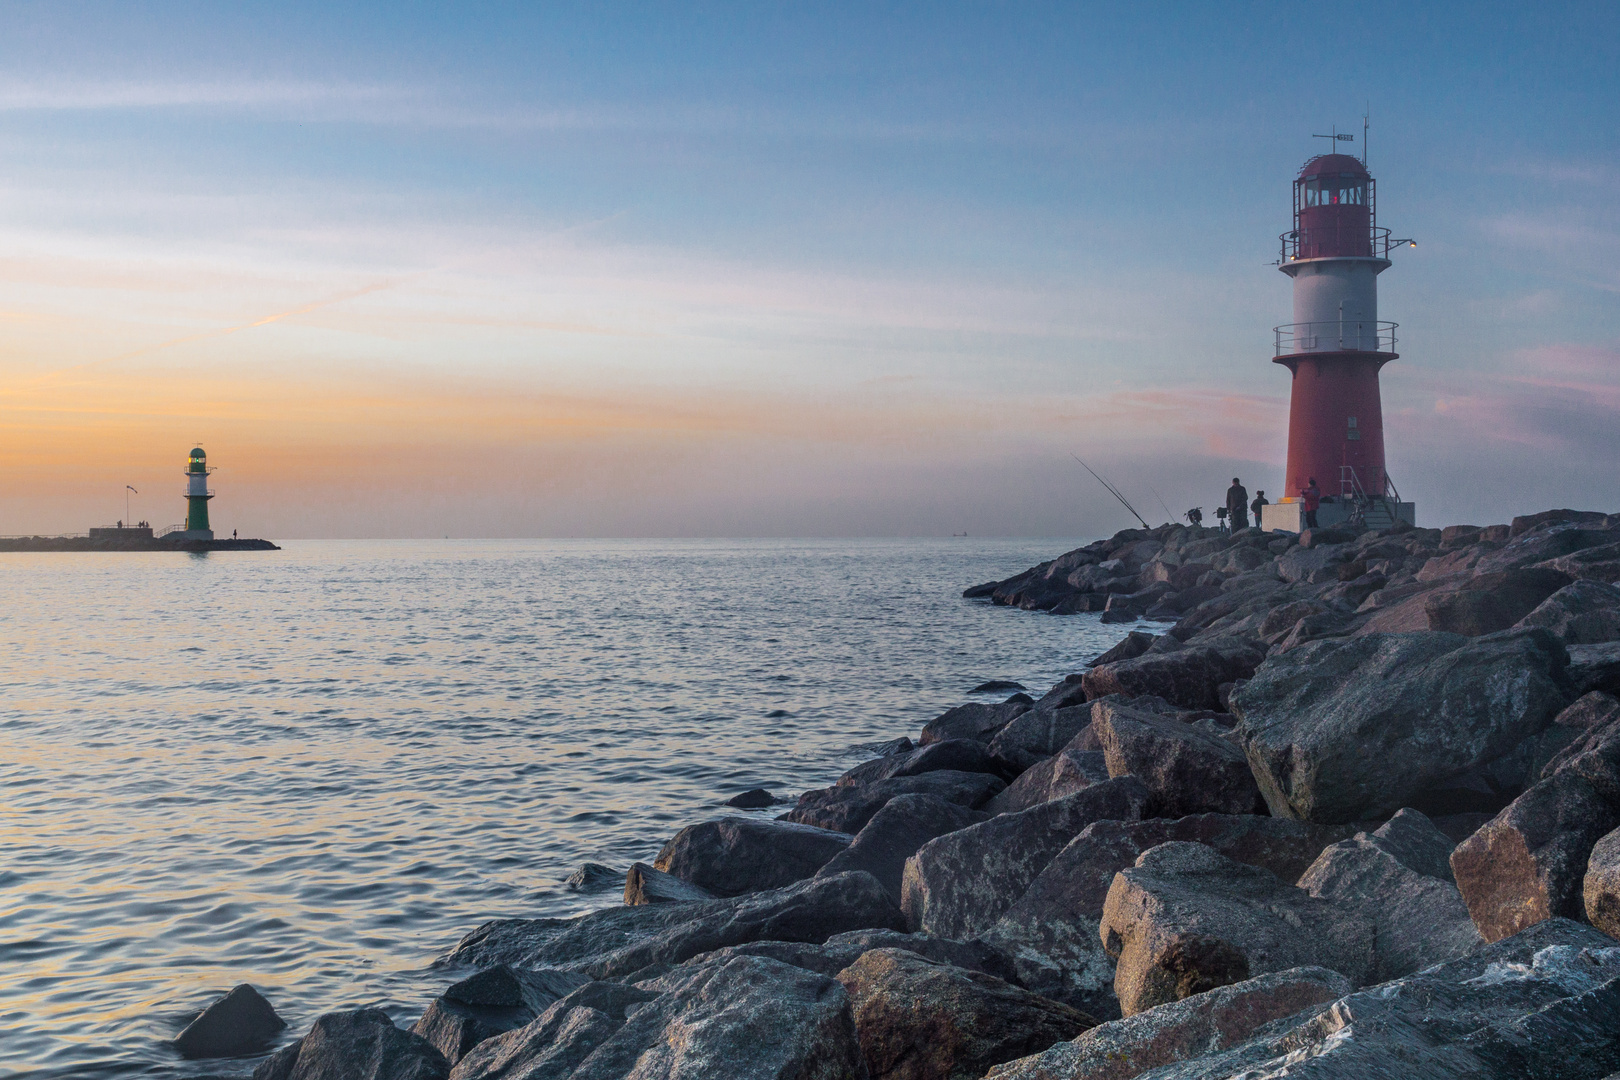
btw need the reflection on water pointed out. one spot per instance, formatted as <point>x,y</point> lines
<point>313,770</point>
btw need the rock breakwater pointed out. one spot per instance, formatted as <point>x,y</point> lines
<point>1354,813</point>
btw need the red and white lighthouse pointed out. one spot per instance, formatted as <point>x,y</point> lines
<point>1336,346</point>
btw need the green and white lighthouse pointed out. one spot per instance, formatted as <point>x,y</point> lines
<point>197,496</point>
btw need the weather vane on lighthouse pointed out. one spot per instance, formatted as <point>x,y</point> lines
<point>1334,350</point>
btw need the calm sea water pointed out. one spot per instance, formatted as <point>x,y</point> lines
<point>315,769</point>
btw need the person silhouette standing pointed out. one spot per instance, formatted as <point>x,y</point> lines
<point>1237,505</point>
<point>1313,499</point>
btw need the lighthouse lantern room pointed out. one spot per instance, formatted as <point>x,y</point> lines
<point>197,496</point>
<point>1334,350</point>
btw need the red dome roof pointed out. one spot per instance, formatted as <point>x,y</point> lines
<point>1333,164</point>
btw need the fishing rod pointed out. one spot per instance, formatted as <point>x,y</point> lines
<point>1168,515</point>
<point>1112,490</point>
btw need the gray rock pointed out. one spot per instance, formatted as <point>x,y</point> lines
<point>752,799</point>
<point>742,1019</point>
<point>1529,862</point>
<point>1343,729</point>
<point>1189,677</point>
<point>644,884</point>
<point>1186,919</point>
<point>1600,563</point>
<point>895,833</point>
<point>726,1020</point>
<point>1188,770</point>
<point>556,1042</point>
<point>623,940</point>
<point>842,950</point>
<point>359,1045</point>
<point>489,1003</point>
<point>1064,773</point>
<point>1586,725</point>
<point>1544,1005</point>
<point>594,877</point>
<point>1398,880</point>
<point>1038,734</point>
<point>1132,645</point>
<point>1051,933</point>
<point>736,855</point>
<point>956,755</point>
<point>995,686</point>
<point>848,808</point>
<point>239,1023</point>
<point>1488,603</point>
<point>1071,691</point>
<point>1181,1030</point>
<point>919,1019</point>
<point>1595,667</point>
<point>1301,562</point>
<point>961,883</point>
<point>1543,545</point>
<point>1582,613</point>
<point>1601,887</point>
<point>975,721</point>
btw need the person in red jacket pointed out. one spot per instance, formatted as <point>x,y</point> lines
<point>1313,499</point>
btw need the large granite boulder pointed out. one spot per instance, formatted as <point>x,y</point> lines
<point>919,1019</point>
<point>736,855</point>
<point>360,1045</point>
<point>1544,1005</point>
<point>1487,603</point>
<point>958,755</point>
<point>1064,773</point>
<point>849,807</point>
<point>1188,769</point>
<point>490,1002</point>
<point>1051,933</point>
<point>1601,563</point>
<point>742,1018</point>
<point>1345,729</point>
<point>1186,919</point>
<point>1582,613</point>
<point>975,721</point>
<point>1544,544</point>
<point>1180,1030</point>
<point>962,882</point>
<point>235,1025</point>
<point>1190,677</point>
<point>1529,862</point>
<point>1398,880</point>
<point>895,833</point>
<point>1038,734</point>
<point>1601,886</point>
<point>621,941</point>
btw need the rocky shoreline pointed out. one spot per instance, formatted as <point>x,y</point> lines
<point>1355,813</point>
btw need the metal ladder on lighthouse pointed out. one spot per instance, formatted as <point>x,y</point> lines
<point>1367,511</point>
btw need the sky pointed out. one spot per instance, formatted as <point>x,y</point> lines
<point>534,270</point>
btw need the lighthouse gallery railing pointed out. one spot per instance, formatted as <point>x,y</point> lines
<point>1334,335</point>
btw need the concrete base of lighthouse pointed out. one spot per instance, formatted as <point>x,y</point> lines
<point>190,534</point>
<point>1289,515</point>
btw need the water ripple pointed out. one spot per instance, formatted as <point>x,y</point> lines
<point>314,770</point>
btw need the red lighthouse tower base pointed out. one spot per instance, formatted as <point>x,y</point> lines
<point>1336,422</point>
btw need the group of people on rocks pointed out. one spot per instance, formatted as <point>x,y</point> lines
<point>1238,506</point>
